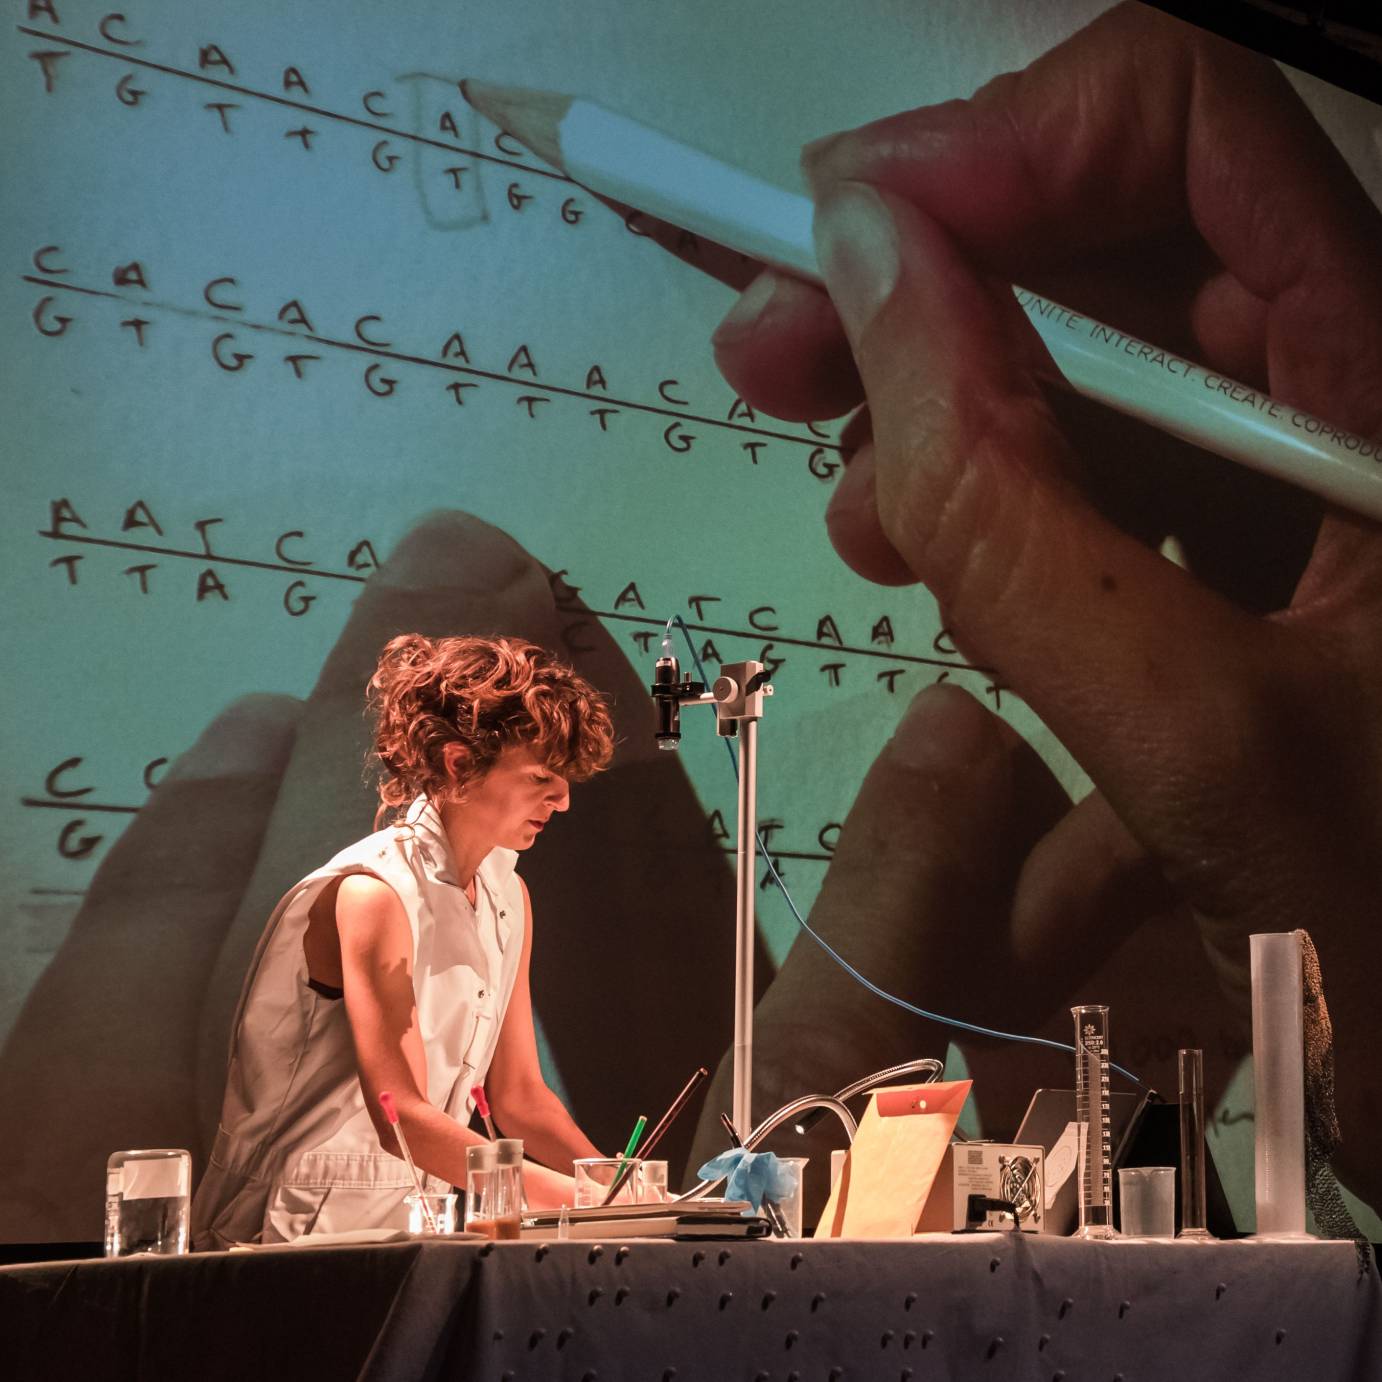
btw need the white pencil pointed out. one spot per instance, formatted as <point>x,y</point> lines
<point>643,168</point>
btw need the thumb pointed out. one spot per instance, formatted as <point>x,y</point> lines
<point>1111,645</point>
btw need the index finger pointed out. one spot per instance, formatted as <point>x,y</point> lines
<point>1137,125</point>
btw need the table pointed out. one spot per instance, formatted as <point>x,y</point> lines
<point>998,1307</point>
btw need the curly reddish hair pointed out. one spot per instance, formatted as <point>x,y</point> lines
<point>485,694</point>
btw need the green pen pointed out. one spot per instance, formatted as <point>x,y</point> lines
<point>635,1135</point>
<point>621,1174</point>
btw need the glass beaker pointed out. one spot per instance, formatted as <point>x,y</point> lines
<point>1094,1173</point>
<point>430,1215</point>
<point>148,1198</point>
<point>652,1182</point>
<point>595,1175</point>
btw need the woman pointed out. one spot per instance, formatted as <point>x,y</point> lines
<point>402,964</point>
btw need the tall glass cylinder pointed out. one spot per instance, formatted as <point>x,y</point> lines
<point>1193,1225</point>
<point>1092,1122</point>
<point>1278,1064</point>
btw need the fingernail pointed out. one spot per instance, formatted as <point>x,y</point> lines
<point>944,728</point>
<point>814,153</point>
<point>857,248</point>
<point>746,312</point>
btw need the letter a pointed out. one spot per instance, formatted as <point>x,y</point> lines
<point>522,359</point>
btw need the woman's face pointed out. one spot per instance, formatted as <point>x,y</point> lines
<point>512,802</point>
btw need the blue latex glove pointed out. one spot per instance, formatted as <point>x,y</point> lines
<point>752,1176</point>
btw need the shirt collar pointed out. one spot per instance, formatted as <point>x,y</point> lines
<point>423,822</point>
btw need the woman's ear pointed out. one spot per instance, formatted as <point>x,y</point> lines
<point>451,756</point>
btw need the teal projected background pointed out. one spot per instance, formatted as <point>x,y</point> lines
<point>273,295</point>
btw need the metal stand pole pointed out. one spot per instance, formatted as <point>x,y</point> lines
<point>745,931</point>
<point>737,695</point>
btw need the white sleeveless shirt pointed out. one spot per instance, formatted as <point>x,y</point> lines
<point>296,1150</point>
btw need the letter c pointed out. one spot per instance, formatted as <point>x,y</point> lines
<point>108,23</point>
<point>50,783</point>
<point>215,301</point>
<point>41,257</point>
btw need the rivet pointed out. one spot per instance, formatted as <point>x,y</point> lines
<point>589,1376</point>
<point>725,1298</point>
<point>536,1337</point>
<point>564,1337</point>
<point>1220,1289</point>
<point>1281,1336</point>
<point>761,1377</point>
<point>910,1301</point>
<point>793,1377</point>
<point>1066,1306</point>
<point>725,1255</point>
<point>697,1257</point>
<point>506,1376</point>
<point>796,1261</point>
<point>927,1337</point>
<point>994,1346</point>
<point>621,1255</point>
<point>497,1336</point>
<point>909,1338</point>
<point>595,1254</point>
<point>541,1253</point>
<point>1058,1376</point>
<point>1123,1308</point>
<point>673,1294</point>
<point>768,1298</point>
<point>886,1339</point>
<point>1043,1341</point>
<point>668,1374</point>
<point>904,1374</point>
<point>595,1293</point>
<point>622,1294</point>
<point>816,1301</point>
<point>1117,1377</point>
<point>835,1374</point>
<point>792,1337</point>
<point>993,1264</point>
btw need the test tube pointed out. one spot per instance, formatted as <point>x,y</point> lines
<point>1193,1226</point>
<point>1091,1119</point>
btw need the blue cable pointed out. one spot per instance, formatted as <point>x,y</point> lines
<point>958,1023</point>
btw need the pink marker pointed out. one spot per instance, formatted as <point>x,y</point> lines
<point>482,1108</point>
<point>391,1113</point>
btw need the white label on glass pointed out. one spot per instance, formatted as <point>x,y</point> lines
<point>156,1178</point>
<point>1060,1161</point>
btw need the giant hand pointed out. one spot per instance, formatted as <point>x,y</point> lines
<point>1231,719</point>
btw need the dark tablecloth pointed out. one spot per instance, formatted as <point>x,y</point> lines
<point>996,1307</point>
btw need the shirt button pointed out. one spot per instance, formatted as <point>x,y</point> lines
<point>482,993</point>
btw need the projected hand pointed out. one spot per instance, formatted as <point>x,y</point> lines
<point>122,1042</point>
<point>1231,720</point>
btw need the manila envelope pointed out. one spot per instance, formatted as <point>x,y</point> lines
<point>893,1161</point>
